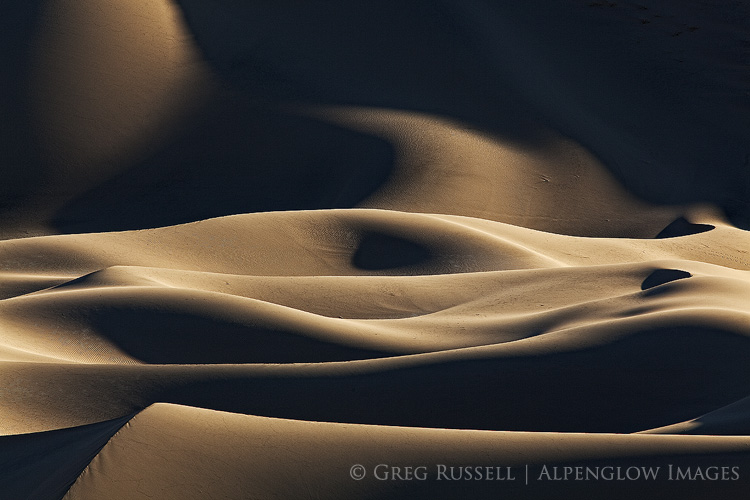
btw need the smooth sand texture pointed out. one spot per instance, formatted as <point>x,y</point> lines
<point>246,246</point>
<point>250,457</point>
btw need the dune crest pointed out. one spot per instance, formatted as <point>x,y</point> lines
<point>282,249</point>
<point>256,454</point>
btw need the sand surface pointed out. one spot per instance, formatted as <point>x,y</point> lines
<point>375,249</point>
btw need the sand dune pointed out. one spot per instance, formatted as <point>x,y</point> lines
<point>261,249</point>
<point>53,458</point>
<point>255,452</point>
<point>631,335</point>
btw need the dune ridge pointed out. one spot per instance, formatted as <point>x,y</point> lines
<point>234,312</point>
<point>254,452</point>
<point>261,249</point>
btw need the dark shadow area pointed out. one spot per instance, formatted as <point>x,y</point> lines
<point>237,158</point>
<point>682,227</point>
<point>378,251</point>
<point>164,337</point>
<point>19,163</point>
<point>44,465</point>
<point>646,380</point>
<point>621,476</point>
<point>413,55</point>
<point>738,211</point>
<point>654,476</point>
<point>661,276</point>
<point>10,287</point>
<point>731,420</point>
<point>671,129</point>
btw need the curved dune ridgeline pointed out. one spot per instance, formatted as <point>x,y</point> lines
<point>374,249</point>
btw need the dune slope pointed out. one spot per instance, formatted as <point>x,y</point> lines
<point>239,456</point>
<point>259,249</point>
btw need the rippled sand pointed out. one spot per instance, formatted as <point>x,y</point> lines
<point>430,249</point>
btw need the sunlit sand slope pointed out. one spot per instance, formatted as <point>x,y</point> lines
<point>248,247</point>
<point>419,319</point>
<point>178,452</point>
